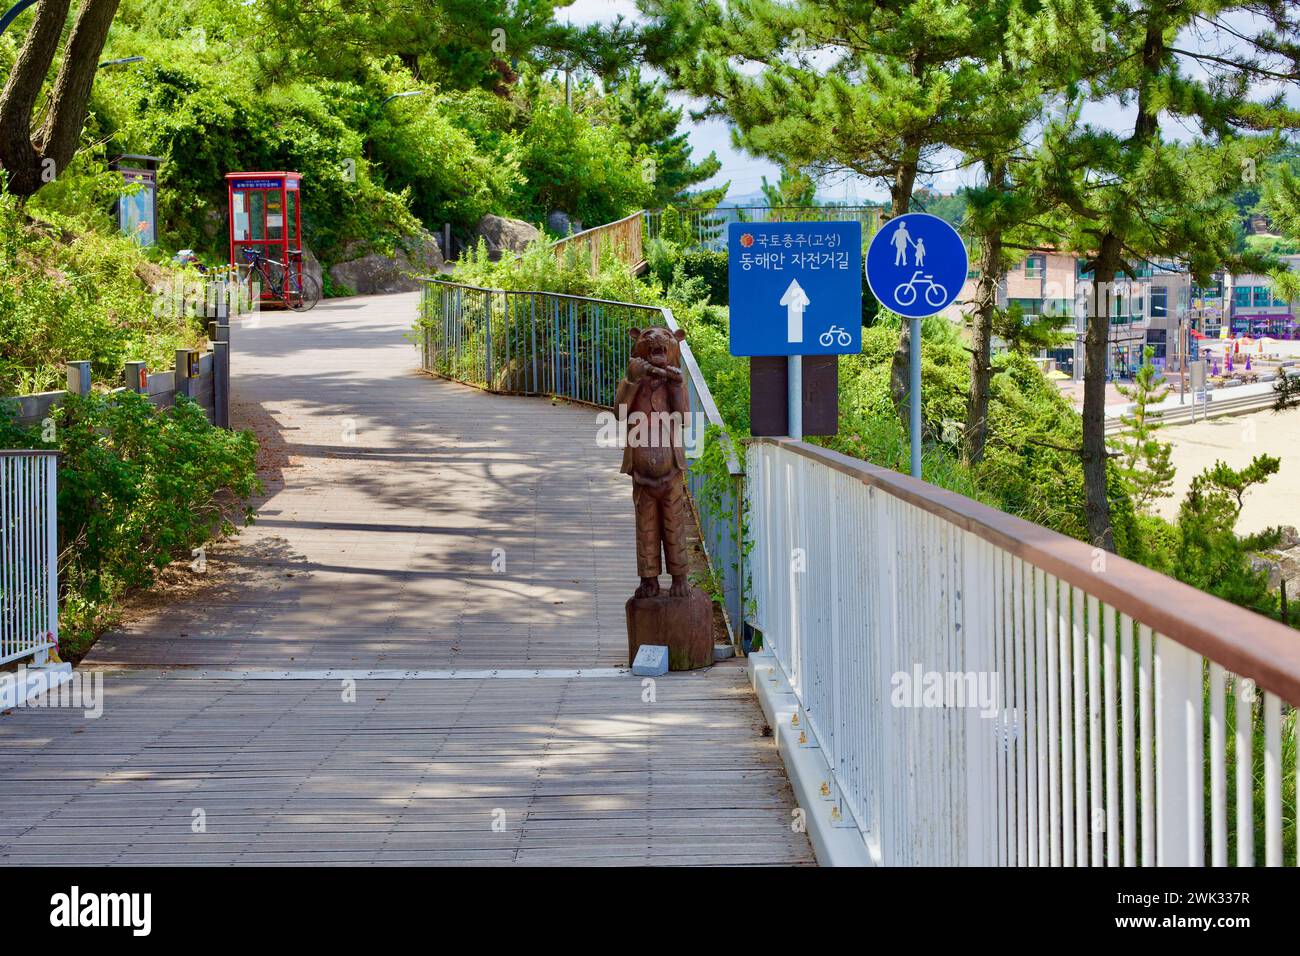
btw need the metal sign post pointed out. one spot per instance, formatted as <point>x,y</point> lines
<point>794,396</point>
<point>916,267</point>
<point>795,291</point>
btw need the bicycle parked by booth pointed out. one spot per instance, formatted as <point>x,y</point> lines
<point>295,288</point>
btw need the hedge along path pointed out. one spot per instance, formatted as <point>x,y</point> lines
<point>392,500</point>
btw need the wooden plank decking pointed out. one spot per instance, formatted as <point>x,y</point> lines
<point>389,494</point>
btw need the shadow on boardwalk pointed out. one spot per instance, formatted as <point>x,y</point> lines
<point>389,496</point>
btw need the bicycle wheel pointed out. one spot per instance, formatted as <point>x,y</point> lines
<point>905,294</point>
<point>303,292</point>
<point>934,295</point>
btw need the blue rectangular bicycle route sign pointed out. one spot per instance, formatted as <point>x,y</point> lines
<point>795,287</point>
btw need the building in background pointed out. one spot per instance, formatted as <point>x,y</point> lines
<point>1159,307</point>
<point>1255,310</point>
<point>1052,282</point>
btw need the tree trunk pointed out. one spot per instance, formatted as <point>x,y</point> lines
<point>981,365</point>
<point>901,200</point>
<point>1097,339</point>
<point>61,134</point>
<point>1095,345</point>
<point>18,156</point>
<point>31,162</point>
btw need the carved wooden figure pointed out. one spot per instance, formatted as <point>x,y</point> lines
<point>652,400</point>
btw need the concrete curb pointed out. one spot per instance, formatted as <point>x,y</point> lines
<point>835,838</point>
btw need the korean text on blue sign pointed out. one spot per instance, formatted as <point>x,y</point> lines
<point>795,287</point>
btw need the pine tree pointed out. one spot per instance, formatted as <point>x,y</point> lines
<point>794,188</point>
<point>651,125</point>
<point>1128,198</point>
<point>872,88</point>
<point>908,81</point>
<point>1143,459</point>
<point>453,43</point>
<point>1210,555</point>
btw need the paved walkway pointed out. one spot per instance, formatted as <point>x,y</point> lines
<point>310,697</point>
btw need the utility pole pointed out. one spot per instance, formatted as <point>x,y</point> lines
<point>1184,347</point>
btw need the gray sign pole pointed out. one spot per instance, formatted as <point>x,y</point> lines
<point>914,400</point>
<point>794,395</point>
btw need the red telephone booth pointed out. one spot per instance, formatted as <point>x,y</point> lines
<point>266,218</point>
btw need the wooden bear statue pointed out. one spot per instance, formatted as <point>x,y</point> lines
<point>652,400</point>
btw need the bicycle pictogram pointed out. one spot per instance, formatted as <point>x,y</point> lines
<point>935,294</point>
<point>835,334</point>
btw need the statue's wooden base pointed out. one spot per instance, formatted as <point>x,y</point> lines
<point>684,624</point>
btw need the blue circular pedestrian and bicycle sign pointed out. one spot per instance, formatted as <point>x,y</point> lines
<point>916,265</point>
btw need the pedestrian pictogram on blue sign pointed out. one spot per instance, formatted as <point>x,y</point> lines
<point>916,265</point>
<point>796,287</point>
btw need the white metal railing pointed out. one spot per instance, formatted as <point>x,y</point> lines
<point>29,584</point>
<point>989,692</point>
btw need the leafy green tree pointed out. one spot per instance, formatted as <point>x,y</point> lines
<point>652,127</point>
<point>1130,197</point>
<point>455,43</point>
<point>423,146</point>
<point>1144,459</point>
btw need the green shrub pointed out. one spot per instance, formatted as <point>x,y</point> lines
<point>139,488</point>
<point>570,163</point>
<point>71,294</point>
<point>711,266</point>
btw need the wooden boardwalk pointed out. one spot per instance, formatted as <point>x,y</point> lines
<point>421,529</point>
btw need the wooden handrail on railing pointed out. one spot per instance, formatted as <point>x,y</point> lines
<point>623,237</point>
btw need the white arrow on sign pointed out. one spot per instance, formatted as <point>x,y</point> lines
<point>795,301</point>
